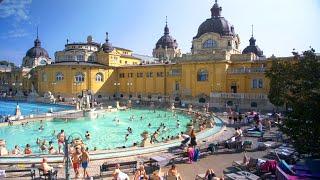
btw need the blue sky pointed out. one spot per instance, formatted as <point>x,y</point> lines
<point>279,25</point>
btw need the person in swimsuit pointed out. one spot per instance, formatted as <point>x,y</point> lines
<point>87,135</point>
<point>76,161</point>
<point>51,148</point>
<point>193,140</point>
<point>85,158</point>
<point>173,172</point>
<point>140,174</point>
<point>45,166</point>
<point>28,150</point>
<point>43,146</point>
<point>16,150</point>
<point>61,137</point>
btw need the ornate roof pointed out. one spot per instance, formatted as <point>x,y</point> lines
<point>253,48</point>
<point>107,46</point>
<point>37,50</point>
<point>167,41</point>
<point>216,24</point>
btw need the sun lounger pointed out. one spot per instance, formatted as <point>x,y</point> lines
<point>107,168</point>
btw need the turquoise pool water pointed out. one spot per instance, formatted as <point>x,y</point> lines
<point>105,132</point>
<point>27,108</point>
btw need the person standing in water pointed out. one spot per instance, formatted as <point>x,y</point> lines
<point>61,138</point>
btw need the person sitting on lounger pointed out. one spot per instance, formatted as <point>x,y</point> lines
<point>156,175</point>
<point>45,166</point>
<point>210,174</point>
<point>116,173</point>
<point>140,174</point>
<point>173,172</point>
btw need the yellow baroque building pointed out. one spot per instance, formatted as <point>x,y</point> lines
<point>215,72</point>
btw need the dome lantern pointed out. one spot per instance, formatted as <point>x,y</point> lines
<point>216,10</point>
<point>107,46</point>
<point>37,50</point>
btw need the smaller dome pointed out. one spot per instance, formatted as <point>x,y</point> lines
<point>166,40</point>
<point>107,46</point>
<point>37,50</point>
<point>253,48</point>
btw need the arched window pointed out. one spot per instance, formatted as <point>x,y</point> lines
<point>99,77</point>
<point>202,100</point>
<point>202,75</point>
<point>210,43</point>
<point>44,77</point>
<point>59,76</point>
<point>79,77</point>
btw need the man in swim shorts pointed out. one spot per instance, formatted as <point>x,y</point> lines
<point>76,161</point>
<point>84,162</point>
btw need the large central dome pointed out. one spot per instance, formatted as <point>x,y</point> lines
<point>216,24</point>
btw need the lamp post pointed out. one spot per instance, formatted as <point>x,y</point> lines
<point>129,84</point>
<point>117,84</point>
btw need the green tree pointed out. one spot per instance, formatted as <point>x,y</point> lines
<point>296,84</point>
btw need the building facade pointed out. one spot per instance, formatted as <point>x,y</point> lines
<point>215,72</point>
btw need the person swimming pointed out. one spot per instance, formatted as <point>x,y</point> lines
<point>129,130</point>
<point>38,141</point>
<point>165,128</point>
<point>141,118</point>
<point>126,138</point>
<point>149,125</point>
<point>54,133</point>
<point>87,135</point>
<point>43,146</point>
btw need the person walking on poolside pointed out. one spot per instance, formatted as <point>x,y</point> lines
<point>61,137</point>
<point>193,140</point>
<point>76,161</point>
<point>85,158</point>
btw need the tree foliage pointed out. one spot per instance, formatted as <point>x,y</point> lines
<point>296,84</point>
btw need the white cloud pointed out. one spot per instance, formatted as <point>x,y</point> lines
<point>16,33</point>
<point>18,9</point>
